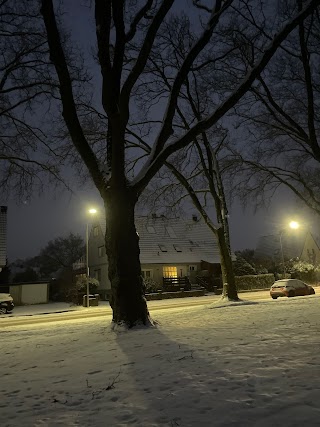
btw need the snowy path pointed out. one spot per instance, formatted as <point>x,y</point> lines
<point>244,365</point>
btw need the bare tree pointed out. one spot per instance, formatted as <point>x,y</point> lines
<point>280,121</point>
<point>196,168</point>
<point>127,33</point>
<point>26,156</point>
<point>58,254</point>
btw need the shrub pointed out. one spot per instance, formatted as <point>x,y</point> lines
<point>150,286</point>
<point>259,281</point>
<point>75,293</point>
<point>81,284</point>
<point>241,267</point>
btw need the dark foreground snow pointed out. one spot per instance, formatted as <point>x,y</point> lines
<point>237,365</point>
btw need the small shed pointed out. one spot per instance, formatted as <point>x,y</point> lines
<point>29,293</point>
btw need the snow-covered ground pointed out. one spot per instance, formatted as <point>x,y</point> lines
<point>255,364</point>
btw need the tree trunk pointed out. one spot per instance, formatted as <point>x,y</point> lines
<point>122,245</point>
<point>229,285</point>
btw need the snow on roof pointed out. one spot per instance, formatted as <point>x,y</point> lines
<point>173,241</point>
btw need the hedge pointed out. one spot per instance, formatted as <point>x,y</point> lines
<point>258,281</point>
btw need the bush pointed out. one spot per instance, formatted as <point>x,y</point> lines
<point>259,281</point>
<point>74,294</point>
<point>150,286</point>
<point>304,271</point>
<point>241,267</point>
<point>81,284</point>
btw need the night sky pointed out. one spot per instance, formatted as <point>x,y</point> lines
<point>32,224</point>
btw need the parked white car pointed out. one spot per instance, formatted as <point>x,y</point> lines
<point>6,303</point>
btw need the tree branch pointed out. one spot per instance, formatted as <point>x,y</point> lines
<point>150,168</point>
<point>69,108</point>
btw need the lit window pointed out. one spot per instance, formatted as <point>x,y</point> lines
<point>170,272</point>
<point>101,251</point>
<point>96,231</point>
<point>177,248</point>
<point>163,248</point>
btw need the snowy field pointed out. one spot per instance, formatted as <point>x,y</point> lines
<point>255,364</point>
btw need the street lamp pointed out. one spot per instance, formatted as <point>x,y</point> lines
<point>294,225</point>
<point>92,212</point>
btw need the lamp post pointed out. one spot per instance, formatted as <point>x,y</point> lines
<point>294,225</point>
<point>91,212</point>
<point>282,256</point>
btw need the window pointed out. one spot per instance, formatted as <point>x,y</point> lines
<point>147,274</point>
<point>177,248</point>
<point>100,251</point>
<point>97,275</point>
<point>171,232</point>
<point>163,248</point>
<point>170,272</point>
<point>96,231</point>
<point>192,267</point>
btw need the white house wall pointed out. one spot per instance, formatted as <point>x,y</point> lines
<point>27,294</point>
<point>163,242</point>
<point>34,294</point>
<point>182,270</point>
<point>97,262</point>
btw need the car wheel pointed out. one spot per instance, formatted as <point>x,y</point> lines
<point>274,297</point>
<point>291,294</point>
<point>3,310</point>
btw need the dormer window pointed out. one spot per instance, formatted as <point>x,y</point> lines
<point>151,229</point>
<point>171,232</point>
<point>177,248</point>
<point>163,248</point>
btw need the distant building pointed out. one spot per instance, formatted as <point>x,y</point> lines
<point>3,236</point>
<point>168,248</point>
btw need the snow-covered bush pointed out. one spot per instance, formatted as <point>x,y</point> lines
<point>305,271</point>
<point>76,292</point>
<point>150,285</point>
<point>81,284</point>
<point>302,267</point>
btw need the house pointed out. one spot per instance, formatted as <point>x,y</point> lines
<point>168,248</point>
<point>294,245</point>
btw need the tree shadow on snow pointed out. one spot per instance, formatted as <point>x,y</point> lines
<point>170,380</point>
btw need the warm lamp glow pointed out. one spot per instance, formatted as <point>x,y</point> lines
<point>92,211</point>
<point>294,225</point>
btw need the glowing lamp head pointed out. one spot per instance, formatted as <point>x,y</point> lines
<point>92,211</point>
<point>294,225</point>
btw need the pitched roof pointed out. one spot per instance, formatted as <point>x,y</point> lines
<point>175,241</point>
